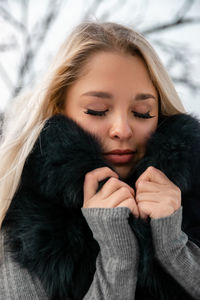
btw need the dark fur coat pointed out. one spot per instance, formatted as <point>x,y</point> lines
<point>47,231</point>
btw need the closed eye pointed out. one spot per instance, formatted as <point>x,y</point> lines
<point>96,113</point>
<point>103,113</point>
<point>142,116</point>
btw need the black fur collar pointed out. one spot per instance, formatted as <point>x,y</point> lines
<point>48,233</point>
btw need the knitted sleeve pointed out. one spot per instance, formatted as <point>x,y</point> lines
<point>179,256</point>
<point>16,282</point>
<point>117,262</point>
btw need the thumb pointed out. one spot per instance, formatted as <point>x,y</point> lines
<point>153,174</point>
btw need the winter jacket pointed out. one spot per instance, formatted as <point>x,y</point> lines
<point>51,237</point>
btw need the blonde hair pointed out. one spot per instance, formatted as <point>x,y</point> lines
<point>29,112</point>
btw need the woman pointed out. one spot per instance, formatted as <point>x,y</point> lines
<point>99,183</point>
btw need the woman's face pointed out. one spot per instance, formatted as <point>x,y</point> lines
<point>115,100</point>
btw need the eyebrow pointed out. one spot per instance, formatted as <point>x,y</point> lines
<point>144,96</point>
<point>99,94</point>
<point>105,95</point>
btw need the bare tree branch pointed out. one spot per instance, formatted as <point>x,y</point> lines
<point>6,78</point>
<point>10,19</point>
<point>181,80</point>
<point>169,25</point>
<point>8,46</point>
<point>34,41</point>
<point>187,5</point>
<point>43,26</point>
<point>178,20</point>
<point>179,57</point>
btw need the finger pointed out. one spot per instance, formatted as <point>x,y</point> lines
<point>147,186</point>
<point>112,185</point>
<point>150,197</point>
<point>153,175</point>
<point>154,210</point>
<point>92,179</point>
<point>145,209</point>
<point>131,204</point>
<point>169,198</point>
<point>118,196</point>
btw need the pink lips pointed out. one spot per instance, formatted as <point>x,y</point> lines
<point>120,156</point>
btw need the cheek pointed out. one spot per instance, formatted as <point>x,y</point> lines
<point>99,129</point>
<point>144,132</point>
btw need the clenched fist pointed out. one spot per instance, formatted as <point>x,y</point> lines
<point>114,193</point>
<point>156,195</point>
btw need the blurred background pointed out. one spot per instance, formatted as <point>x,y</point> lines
<point>31,32</point>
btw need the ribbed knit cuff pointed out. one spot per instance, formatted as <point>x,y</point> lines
<point>176,253</point>
<point>167,233</point>
<point>111,230</point>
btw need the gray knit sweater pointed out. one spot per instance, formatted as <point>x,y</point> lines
<point>117,262</point>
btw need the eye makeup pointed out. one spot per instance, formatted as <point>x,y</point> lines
<point>103,113</point>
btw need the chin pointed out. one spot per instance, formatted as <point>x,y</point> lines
<point>123,171</point>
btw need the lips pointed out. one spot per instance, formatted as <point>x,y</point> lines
<point>119,156</point>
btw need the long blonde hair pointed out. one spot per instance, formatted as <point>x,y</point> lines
<point>26,117</point>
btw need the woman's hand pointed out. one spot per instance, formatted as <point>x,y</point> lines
<point>114,193</point>
<point>156,195</point>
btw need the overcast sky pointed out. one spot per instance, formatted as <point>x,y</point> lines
<point>140,13</point>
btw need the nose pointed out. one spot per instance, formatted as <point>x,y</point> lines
<point>121,128</point>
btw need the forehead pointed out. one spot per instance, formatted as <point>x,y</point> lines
<point>103,59</point>
<point>119,69</point>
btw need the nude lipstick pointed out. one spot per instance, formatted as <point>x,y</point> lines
<point>119,156</point>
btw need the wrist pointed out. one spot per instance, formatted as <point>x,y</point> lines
<point>111,230</point>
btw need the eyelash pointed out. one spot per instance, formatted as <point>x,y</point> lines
<point>103,113</point>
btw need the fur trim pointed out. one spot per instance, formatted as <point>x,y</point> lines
<point>48,233</point>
